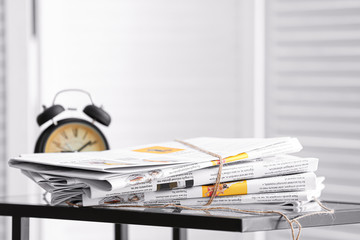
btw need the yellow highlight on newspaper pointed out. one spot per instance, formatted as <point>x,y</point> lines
<point>232,158</point>
<point>158,150</point>
<point>226,189</point>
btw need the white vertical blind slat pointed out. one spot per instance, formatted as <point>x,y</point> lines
<point>2,114</point>
<point>313,89</point>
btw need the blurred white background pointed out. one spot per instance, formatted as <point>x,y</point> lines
<point>167,69</point>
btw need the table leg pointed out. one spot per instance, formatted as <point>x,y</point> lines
<point>121,231</point>
<point>20,228</point>
<point>179,234</point>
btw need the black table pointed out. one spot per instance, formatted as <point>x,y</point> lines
<point>22,208</point>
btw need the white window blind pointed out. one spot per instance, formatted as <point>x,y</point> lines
<point>3,162</point>
<point>313,91</point>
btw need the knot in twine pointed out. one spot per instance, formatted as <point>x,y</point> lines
<point>206,209</point>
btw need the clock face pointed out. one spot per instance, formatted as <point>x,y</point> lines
<point>71,136</point>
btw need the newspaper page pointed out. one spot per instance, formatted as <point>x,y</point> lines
<point>278,197</point>
<point>68,165</point>
<point>115,161</point>
<point>288,146</point>
<point>281,197</point>
<point>271,166</point>
<point>148,155</point>
<point>279,165</point>
<point>143,182</point>
<point>295,182</point>
<point>55,184</point>
<point>68,195</point>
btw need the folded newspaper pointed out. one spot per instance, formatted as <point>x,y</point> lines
<point>255,171</point>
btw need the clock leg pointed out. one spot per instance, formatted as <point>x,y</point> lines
<point>121,231</point>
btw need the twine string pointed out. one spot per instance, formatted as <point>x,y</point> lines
<point>208,209</point>
<point>218,180</point>
<point>221,163</point>
<point>291,222</point>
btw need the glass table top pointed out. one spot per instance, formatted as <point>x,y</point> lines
<point>219,219</point>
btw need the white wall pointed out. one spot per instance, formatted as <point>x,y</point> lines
<point>22,95</point>
<point>162,69</point>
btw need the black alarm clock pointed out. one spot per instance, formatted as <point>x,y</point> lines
<point>72,134</point>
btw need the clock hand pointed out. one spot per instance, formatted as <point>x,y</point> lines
<point>85,145</point>
<point>66,149</point>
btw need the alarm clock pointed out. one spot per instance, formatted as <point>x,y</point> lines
<point>72,134</point>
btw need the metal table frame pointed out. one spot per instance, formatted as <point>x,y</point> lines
<point>21,214</point>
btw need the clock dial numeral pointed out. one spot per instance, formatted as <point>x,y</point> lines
<point>85,134</point>
<point>57,144</point>
<point>63,133</point>
<point>75,132</point>
<point>69,147</point>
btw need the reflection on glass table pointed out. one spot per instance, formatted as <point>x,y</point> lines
<point>21,208</point>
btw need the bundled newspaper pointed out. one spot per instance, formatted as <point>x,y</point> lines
<point>255,171</point>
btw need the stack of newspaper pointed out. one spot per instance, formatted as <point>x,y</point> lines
<point>255,171</point>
